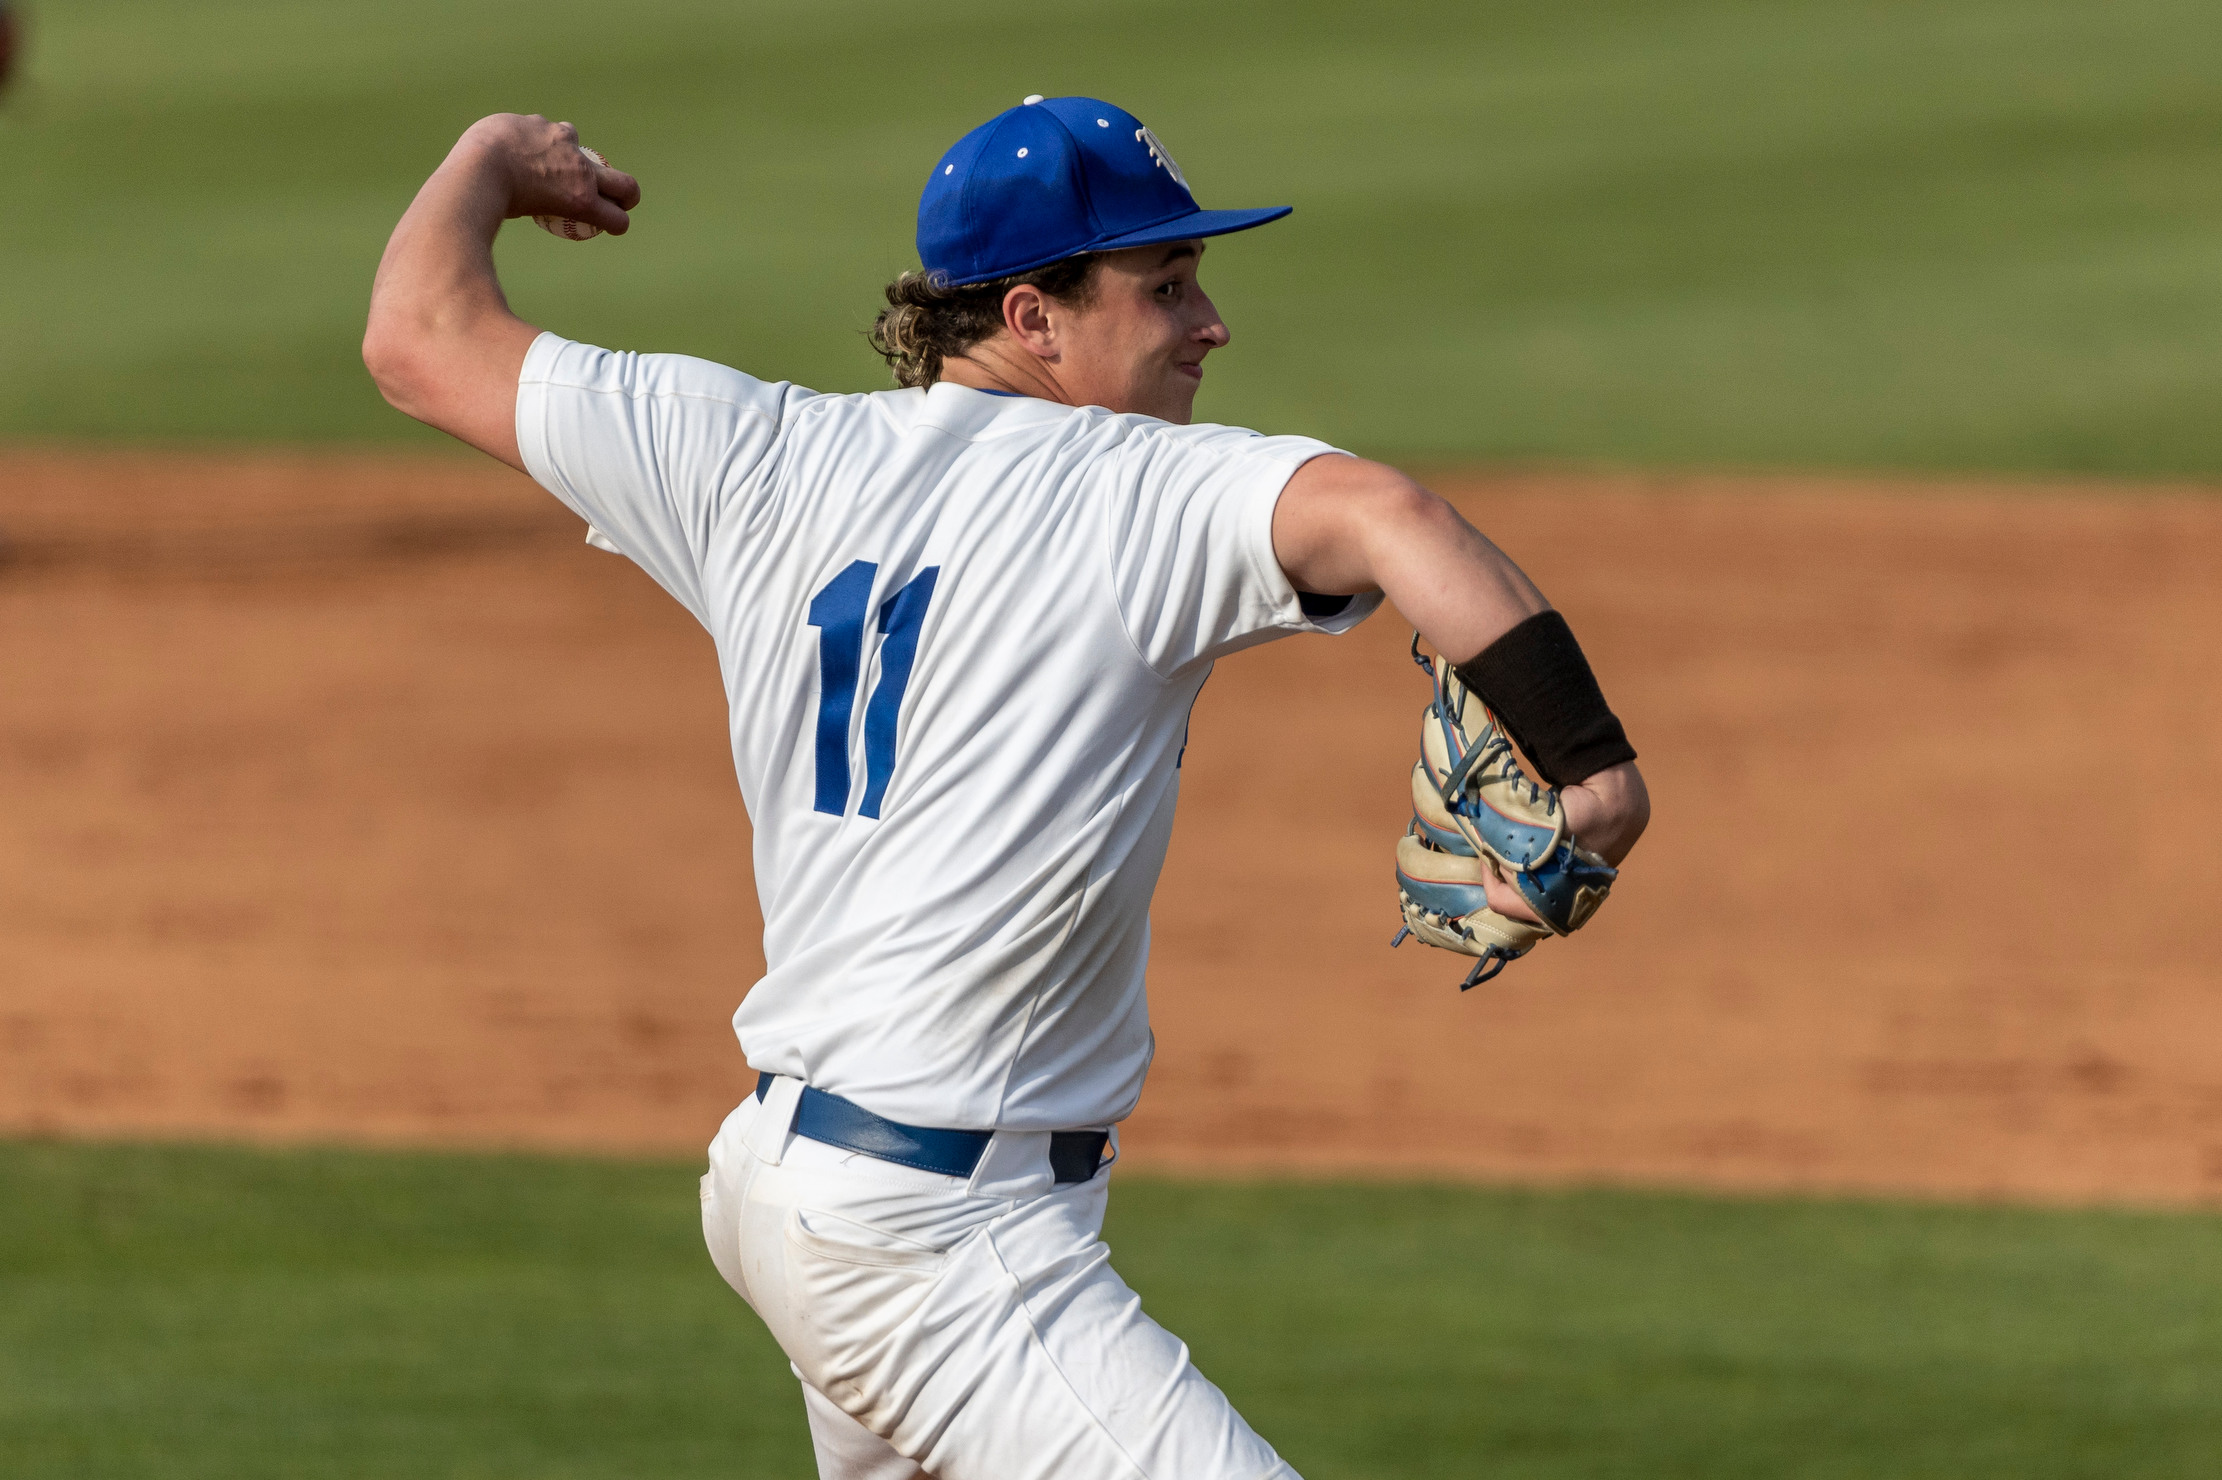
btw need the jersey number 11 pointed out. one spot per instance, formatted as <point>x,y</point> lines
<point>838,612</point>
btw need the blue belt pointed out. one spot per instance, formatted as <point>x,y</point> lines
<point>1074,1156</point>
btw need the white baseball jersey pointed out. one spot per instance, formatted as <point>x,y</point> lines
<point>960,634</point>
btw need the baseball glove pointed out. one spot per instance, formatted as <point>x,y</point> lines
<point>1477,815</point>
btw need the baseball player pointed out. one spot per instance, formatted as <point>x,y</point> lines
<point>961,624</point>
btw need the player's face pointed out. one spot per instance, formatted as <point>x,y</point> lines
<point>1140,344</point>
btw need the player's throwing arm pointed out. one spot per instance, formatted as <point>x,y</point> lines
<point>441,342</point>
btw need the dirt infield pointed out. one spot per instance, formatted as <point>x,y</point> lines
<point>357,798</point>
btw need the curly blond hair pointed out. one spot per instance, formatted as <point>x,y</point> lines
<point>926,321</point>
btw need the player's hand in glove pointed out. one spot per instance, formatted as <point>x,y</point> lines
<point>1493,862</point>
<point>1479,825</point>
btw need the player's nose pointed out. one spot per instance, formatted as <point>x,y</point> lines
<point>1213,330</point>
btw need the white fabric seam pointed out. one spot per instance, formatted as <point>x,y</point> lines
<point>1034,1002</point>
<point>1111,581</point>
<point>551,383</point>
<point>1034,1333</point>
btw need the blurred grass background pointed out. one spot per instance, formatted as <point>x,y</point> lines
<point>1934,234</point>
<point>240,1314</point>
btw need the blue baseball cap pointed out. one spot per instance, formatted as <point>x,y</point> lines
<point>1052,178</point>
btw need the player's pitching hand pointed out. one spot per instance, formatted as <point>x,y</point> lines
<point>549,174</point>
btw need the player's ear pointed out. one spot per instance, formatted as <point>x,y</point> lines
<point>1026,314</point>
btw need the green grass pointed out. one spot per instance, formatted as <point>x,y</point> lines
<point>1910,233</point>
<point>182,1312</point>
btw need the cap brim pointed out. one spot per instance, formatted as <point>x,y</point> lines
<point>1179,229</point>
<point>1189,227</point>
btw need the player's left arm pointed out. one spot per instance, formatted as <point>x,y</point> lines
<point>441,342</point>
<point>1344,525</point>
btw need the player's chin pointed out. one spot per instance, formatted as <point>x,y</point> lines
<point>1178,394</point>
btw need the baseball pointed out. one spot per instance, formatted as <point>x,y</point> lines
<point>564,226</point>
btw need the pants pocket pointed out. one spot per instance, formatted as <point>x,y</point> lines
<point>844,1241</point>
<point>856,1295</point>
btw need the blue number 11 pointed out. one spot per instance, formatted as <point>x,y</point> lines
<point>838,612</point>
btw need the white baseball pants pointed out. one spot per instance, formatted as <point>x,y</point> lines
<point>947,1328</point>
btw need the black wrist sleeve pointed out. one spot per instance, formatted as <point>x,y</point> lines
<point>1538,684</point>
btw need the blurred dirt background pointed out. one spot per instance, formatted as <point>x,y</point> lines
<point>355,798</point>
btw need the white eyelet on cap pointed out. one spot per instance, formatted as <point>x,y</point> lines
<point>948,169</point>
<point>1030,100</point>
<point>1103,123</point>
<point>1021,154</point>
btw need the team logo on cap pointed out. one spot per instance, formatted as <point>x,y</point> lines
<point>1164,157</point>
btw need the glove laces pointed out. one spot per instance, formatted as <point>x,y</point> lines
<point>1494,748</point>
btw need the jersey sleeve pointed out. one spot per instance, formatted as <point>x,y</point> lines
<point>1192,562</point>
<point>650,450</point>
